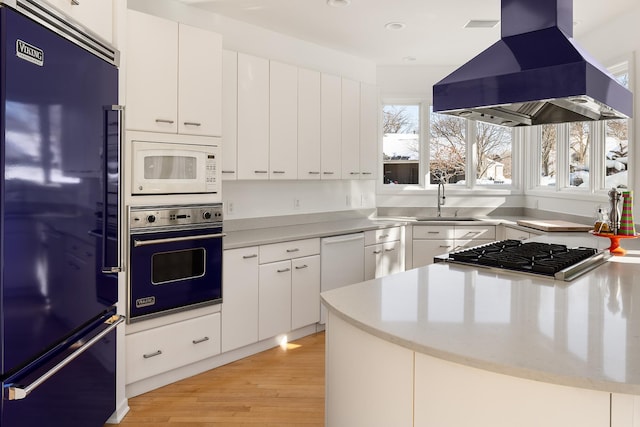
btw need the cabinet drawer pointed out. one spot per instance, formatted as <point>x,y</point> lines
<point>372,237</point>
<point>516,234</point>
<point>433,232</point>
<point>288,250</point>
<point>161,349</point>
<point>470,232</point>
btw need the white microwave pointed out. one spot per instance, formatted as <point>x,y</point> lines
<point>174,168</point>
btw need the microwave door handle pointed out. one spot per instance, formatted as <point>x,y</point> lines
<point>105,201</point>
<point>138,243</point>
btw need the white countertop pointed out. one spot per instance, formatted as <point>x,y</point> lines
<point>583,333</point>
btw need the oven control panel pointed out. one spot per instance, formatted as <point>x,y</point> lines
<point>147,217</point>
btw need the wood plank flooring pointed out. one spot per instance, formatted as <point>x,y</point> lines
<point>277,387</point>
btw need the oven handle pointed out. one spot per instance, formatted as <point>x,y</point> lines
<point>138,243</point>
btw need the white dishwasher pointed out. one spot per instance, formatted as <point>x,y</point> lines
<point>342,263</point>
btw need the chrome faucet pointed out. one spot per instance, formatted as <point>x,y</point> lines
<point>441,198</point>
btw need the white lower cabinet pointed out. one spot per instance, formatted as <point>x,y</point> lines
<point>239,297</point>
<point>383,252</point>
<point>274,308</point>
<point>305,291</point>
<point>162,349</point>
<point>430,241</point>
<point>517,234</point>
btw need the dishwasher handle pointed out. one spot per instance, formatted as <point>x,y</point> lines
<point>342,239</point>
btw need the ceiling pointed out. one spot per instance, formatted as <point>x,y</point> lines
<point>434,30</point>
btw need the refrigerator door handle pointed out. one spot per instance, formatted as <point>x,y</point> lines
<point>20,392</point>
<point>105,207</point>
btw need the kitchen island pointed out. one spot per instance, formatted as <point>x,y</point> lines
<point>449,345</point>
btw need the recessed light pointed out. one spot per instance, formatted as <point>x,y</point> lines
<point>395,26</point>
<point>338,3</point>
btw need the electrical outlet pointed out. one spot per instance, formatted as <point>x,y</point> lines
<point>296,203</point>
<point>230,207</point>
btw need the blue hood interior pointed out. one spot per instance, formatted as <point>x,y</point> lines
<point>535,74</point>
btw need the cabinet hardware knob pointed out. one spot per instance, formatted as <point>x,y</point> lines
<point>150,355</point>
<point>164,121</point>
<point>198,341</point>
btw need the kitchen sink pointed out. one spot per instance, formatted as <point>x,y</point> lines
<point>446,218</point>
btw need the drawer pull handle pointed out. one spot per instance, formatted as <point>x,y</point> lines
<point>278,172</point>
<point>203,339</point>
<point>164,121</point>
<point>192,124</point>
<point>284,270</point>
<point>250,256</point>
<point>292,250</point>
<point>390,249</point>
<point>444,246</point>
<point>328,173</point>
<point>367,173</point>
<point>228,171</point>
<point>354,173</point>
<point>260,171</point>
<point>377,251</point>
<point>384,236</point>
<point>150,355</point>
<point>314,173</point>
<point>433,232</point>
<point>300,267</point>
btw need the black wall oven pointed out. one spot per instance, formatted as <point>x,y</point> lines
<point>175,259</point>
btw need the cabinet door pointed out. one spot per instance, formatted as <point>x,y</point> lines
<point>330,127</point>
<point>200,81</point>
<point>274,312</point>
<point>239,298</point>
<point>305,291</point>
<point>283,121</point>
<point>152,73</point>
<point>229,114</point>
<point>369,111</point>
<point>308,124</point>
<point>372,255</point>
<point>350,129</point>
<point>253,117</point>
<point>425,250</point>
<point>516,234</point>
<point>391,260</point>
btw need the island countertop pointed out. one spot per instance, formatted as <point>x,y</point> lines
<point>584,333</point>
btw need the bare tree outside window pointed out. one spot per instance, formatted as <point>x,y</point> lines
<point>548,148</point>
<point>447,148</point>
<point>493,146</point>
<point>579,142</point>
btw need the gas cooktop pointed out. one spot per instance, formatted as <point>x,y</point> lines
<point>546,259</point>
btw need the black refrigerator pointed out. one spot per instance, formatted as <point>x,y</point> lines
<point>59,220</point>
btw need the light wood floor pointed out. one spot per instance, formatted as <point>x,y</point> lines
<point>274,388</point>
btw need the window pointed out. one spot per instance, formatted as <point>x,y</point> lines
<point>579,143</point>
<point>616,148</point>
<point>548,144</point>
<point>493,146</point>
<point>447,148</point>
<point>401,144</point>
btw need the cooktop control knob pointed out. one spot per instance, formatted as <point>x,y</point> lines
<point>151,218</point>
<point>206,215</point>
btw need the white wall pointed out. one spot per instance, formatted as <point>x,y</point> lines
<point>254,198</point>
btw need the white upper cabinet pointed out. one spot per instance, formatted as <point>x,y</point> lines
<point>283,121</point>
<point>308,124</point>
<point>199,81</point>
<point>350,129</point>
<point>253,117</point>
<point>330,122</point>
<point>96,16</point>
<point>165,94</point>
<point>229,114</point>
<point>152,73</point>
<point>368,131</point>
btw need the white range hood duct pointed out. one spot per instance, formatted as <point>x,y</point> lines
<point>535,74</point>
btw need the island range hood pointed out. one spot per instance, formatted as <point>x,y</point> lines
<point>535,74</point>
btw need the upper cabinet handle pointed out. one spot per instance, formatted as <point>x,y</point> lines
<point>192,124</point>
<point>250,256</point>
<point>293,250</point>
<point>164,121</point>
